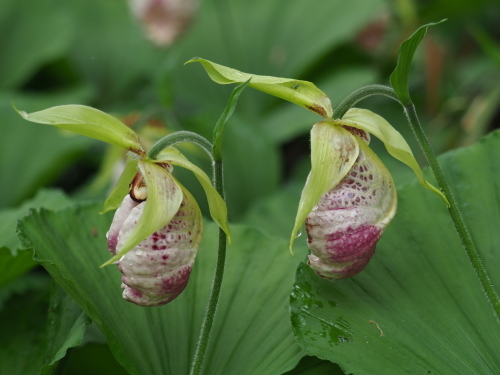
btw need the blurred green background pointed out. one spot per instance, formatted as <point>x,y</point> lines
<point>97,53</point>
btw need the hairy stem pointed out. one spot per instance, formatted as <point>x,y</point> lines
<point>179,137</point>
<point>456,216</point>
<point>216,286</point>
<point>360,94</point>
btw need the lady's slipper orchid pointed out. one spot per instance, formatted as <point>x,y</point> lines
<point>349,196</point>
<point>157,228</point>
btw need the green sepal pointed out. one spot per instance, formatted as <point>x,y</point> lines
<point>393,141</point>
<point>302,93</point>
<point>216,204</point>
<point>399,77</point>
<point>333,152</point>
<point>122,186</point>
<point>164,199</point>
<point>89,122</point>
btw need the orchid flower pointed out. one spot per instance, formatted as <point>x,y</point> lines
<point>349,197</point>
<point>157,228</point>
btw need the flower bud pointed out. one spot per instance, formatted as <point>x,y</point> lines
<point>349,219</point>
<point>156,270</point>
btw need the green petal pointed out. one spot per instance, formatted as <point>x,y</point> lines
<point>164,199</point>
<point>393,140</point>
<point>333,152</point>
<point>217,206</point>
<point>303,93</point>
<point>122,187</point>
<point>89,122</point>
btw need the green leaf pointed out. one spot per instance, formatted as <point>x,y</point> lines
<point>36,331</point>
<point>302,93</point>
<point>13,266</point>
<point>51,199</point>
<point>418,306</point>
<point>216,204</point>
<point>252,317</point>
<point>275,213</point>
<point>89,122</point>
<point>95,359</point>
<point>399,77</point>
<point>163,201</point>
<point>122,186</point>
<point>393,141</point>
<point>333,152</point>
<point>228,111</point>
<point>66,324</point>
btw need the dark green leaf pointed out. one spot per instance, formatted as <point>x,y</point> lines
<point>94,359</point>
<point>228,111</point>
<point>31,281</point>
<point>252,313</point>
<point>418,307</point>
<point>399,77</point>
<point>66,324</point>
<point>315,366</point>
<point>23,326</point>
<point>13,266</point>
<point>254,159</point>
<point>37,330</point>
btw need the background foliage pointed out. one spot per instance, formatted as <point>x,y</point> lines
<point>94,52</point>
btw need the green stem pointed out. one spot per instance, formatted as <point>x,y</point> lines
<point>216,286</point>
<point>456,216</point>
<point>360,94</point>
<point>179,137</point>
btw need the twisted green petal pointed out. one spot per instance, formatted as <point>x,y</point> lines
<point>89,122</point>
<point>302,93</point>
<point>164,199</point>
<point>122,186</point>
<point>333,152</point>
<point>393,141</point>
<point>217,206</point>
